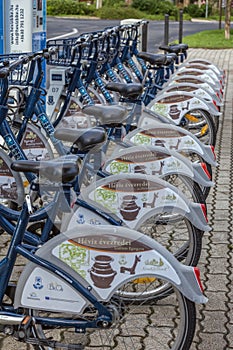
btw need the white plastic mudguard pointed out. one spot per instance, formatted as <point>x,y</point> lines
<point>101,259</point>
<point>135,197</point>
<point>190,79</point>
<point>200,73</point>
<point>175,105</point>
<point>153,160</point>
<point>195,90</point>
<point>187,66</point>
<point>208,64</point>
<point>150,132</point>
<point>35,145</point>
<point>211,70</point>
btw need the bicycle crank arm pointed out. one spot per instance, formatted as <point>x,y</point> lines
<point>54,344</point>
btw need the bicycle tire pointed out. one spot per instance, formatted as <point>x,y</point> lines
<point>14,188</point>
<point>177,234</point>
<point>170,321</point>
<point>188,187</point>
<point>188,253</point>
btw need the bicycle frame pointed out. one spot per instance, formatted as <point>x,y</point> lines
<point>75,286</point>
<point>45,267</point>
<point>7,264</point>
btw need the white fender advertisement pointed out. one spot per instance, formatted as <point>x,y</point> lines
<point>101,260</point>
<point>152,133</point>
<point>154,160</point>
<point>177,106</point>
<point>195,90</point>
<point>196,80</point>
<point>133,197</point>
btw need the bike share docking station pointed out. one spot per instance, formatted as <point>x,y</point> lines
<point>143,31</point>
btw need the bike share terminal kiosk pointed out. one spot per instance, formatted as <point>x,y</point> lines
<point>22,25</point>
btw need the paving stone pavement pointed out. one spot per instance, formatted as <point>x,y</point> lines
<point>215,319</point>
<point>214,329</point>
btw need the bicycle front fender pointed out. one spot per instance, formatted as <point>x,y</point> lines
<point>201,176</point>
<point>195,89</point>
<point>208,64</point>
<point>199,73</point>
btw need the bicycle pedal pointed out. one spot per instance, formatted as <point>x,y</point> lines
<point>23,327</point>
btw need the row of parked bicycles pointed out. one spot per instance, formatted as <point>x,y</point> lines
<point>104,177</point>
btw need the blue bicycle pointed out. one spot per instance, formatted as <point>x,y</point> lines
<point>72,292</point>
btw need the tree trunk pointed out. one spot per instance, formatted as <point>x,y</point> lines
<point>98,4</point>
<point>228,19</point>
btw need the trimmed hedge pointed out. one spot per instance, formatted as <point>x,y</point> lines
<point>154,7</point>
<point>69,7</point>
<point>119,13</point>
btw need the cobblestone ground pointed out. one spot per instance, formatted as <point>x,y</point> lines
<point>214,328</point>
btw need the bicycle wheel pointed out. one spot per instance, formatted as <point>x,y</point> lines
<point>153,325</point>
<point>200,123</point>
<point>74,117</point>
<point>176,234</point>
<point>12,190</point>
<point>181,238</point>
<point>187,186</point>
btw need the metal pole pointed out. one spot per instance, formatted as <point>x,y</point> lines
<point>206,8</point>
<point>220,15</point>
<point>144,36</point>
<point>166,29</point>
<point>181,27</point>
<point>98,4</point>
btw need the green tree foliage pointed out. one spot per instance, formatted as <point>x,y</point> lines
<point>119,13</point>
<point>195,11</point>
<point>154,7</point>
<point>113,3</point>
<point>69,7</point>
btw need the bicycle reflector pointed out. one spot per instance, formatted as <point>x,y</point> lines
<point>198,277</point>
<point>204,167</point>
<point>204,130</point>
<point>212,149</point>
<point>203,208</point>
<point>144,280</point>
<point>215,105</point>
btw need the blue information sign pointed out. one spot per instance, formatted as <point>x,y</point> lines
<point>1,26</point>
<point>22,25</point>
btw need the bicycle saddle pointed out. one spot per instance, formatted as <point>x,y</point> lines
<point>182,46</point>
<point>173,55</point>
<point>153,59</point>
<point>176,48</point>
<point>107,114</point>
<point>55,170</point>
<point>84,139</point>
<point>170,59</point>
<point>126,90</point>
